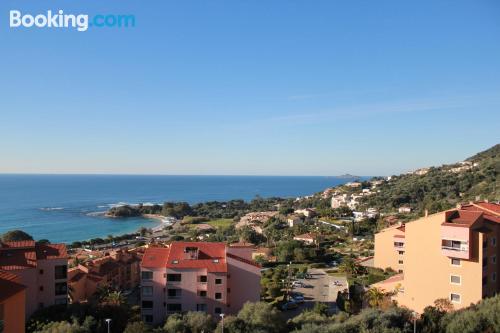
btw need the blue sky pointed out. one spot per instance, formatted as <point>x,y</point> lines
<point>251,87</point>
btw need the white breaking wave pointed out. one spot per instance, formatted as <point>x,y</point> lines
<point>51,208</point>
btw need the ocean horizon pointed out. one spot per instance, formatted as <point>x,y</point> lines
<point>70,207</point>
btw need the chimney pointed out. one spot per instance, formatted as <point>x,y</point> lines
<point>426,213</point>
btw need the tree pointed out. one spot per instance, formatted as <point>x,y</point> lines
<point>114,298</point>
<point>199,322</point>
<point>320,308</point>
<point>175,324</point>
<point>15,236</point>
<point>350,267</point>
<point>375,297</point>
<point>254,318</point>
<point>137,327</point>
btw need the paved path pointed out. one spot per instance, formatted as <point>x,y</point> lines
<point>321,289</point>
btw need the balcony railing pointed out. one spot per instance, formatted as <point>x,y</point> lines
<point>455,248</point>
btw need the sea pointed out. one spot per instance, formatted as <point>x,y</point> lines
<point>67,208</point>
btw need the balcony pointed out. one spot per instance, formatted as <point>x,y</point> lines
<point>455,241</point>
<point>455,249</point>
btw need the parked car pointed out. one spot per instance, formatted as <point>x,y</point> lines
<point>297,284</point>
<point>298,297</point>
<point>289,306</point>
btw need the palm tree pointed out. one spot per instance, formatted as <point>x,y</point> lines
<point>350,267</point>
<point>114,298</point>
<point>375,297</point>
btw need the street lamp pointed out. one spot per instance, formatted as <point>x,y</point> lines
<point>414,322</point>
<point>108,321</point>
<point>222,322</point>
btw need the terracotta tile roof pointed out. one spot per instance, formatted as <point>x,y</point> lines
<point>155,257</point>
<point>467,215</point>
<point>24,254</point>
<point>209,256</point>
<point>51,251</point>
<point>9,285</point>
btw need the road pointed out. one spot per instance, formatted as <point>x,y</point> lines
<point>321,289</point>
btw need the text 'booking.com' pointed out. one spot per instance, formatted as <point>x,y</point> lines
<point>58,19</point>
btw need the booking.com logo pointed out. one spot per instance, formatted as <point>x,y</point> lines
<point>80,22</point>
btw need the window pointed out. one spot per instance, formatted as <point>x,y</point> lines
<point>203,279</point>
<point>61,288</point>
<point>485,261</point>
<point>493,241</point>
<point>218,295</point>
<point>218,281</point>
<point>147,275</point>
<point>173,277</point>
<point>218,310</point>
<point>147,291</point>
<point>41,272</point>
<point>61,272</point>
<point>147,318</point>
<point>401,253</point>
<point>455,279</point>
<point>201,307</point>
<point>147,304</point>
<point>455,262</point>
<point>174,293</point>
<point>485,280</point>
<point>494,277</point>
<point>400,262</point>
<point>494,259</point>
<point>61,301</point>
<point>455,298</point>
<point>400,271</point>
<point>399,244</point>
<point>203,293</point>
<point>174,307</point>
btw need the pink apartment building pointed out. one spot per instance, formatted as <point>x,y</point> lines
<point>197,276</point>
<point>41,268</point>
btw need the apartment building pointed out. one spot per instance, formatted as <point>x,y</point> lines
<point>41,268</point>
<point>452,254</point>
<point>12,299</point>
<point>197,276</point>
<point>118,269</point>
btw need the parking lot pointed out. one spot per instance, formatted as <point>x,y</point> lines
<point>319,288</point>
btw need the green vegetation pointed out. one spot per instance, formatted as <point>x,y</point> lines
<point>221,223</point>
<point>440,188</point>
<point>16,235</point>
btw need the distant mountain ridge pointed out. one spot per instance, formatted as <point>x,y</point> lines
<point>440,188</point>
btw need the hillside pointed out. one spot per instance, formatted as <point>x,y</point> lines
<point>440,188</point>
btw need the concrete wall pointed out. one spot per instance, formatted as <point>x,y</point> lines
<point>244,283</point>
<point>386,255</point>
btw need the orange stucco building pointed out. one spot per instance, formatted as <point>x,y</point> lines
<point>41,268</point>
<point>12,298</point>
<point>451,254</point>
<point>118,270</point>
